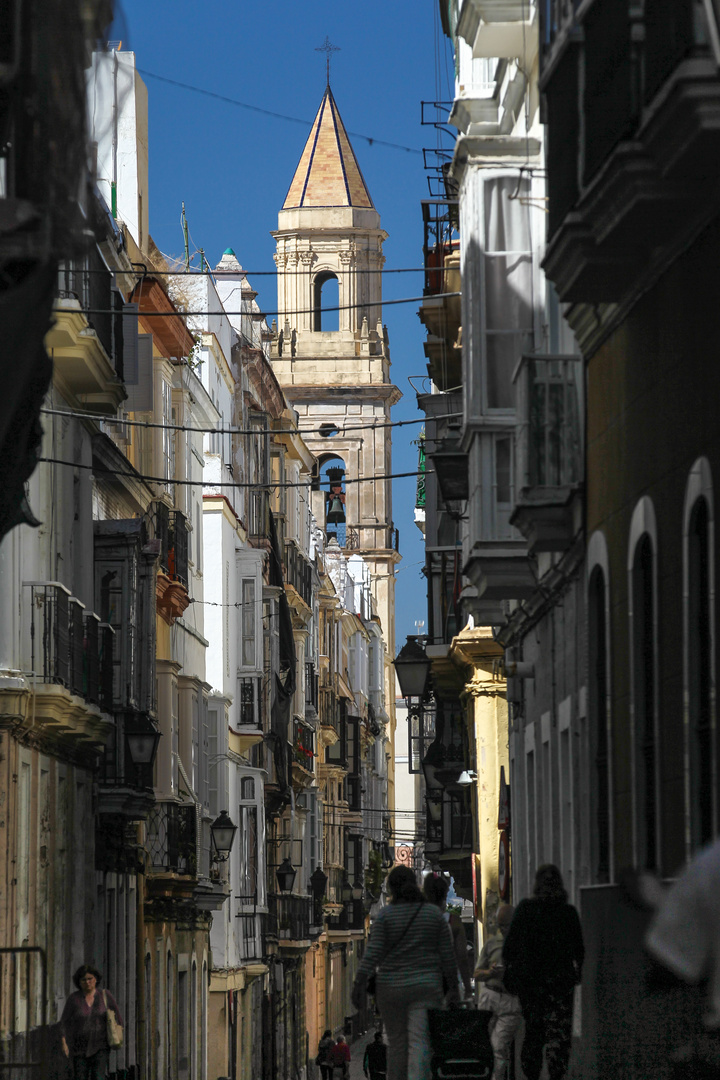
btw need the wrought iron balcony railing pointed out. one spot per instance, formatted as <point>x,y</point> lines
<point>329,710</point>
<point>172,838</point>
<point>68,645</point>
<point>289,917</point>
<point>298,572</point>
<point>88,281</point>
<point>250,701</point>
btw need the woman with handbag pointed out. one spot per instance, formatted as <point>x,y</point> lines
<point>412,950</point>
<point>90,1026</point>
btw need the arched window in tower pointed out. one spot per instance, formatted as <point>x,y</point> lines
<point>326,301</point>
<point>332,482</point>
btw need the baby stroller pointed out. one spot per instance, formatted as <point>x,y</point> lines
<point>460,1044</point>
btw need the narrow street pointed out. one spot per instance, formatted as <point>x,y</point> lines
<point>241,723</point>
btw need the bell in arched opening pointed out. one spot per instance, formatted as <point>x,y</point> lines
<point>335,499</point>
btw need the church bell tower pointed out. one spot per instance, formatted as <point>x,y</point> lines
<point>331,354</point>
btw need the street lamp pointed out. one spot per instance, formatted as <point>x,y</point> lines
<point>223,832</point>
<point>285,874</point>
<point>142,744</point>
<point>346,892</point>
<point>412,668</point>
<point>318,884</point>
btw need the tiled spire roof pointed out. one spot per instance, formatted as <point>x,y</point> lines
<point>328,173</point>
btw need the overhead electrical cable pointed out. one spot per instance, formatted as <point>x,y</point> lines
<point>264,314</point>
<point>370,139</point>
<point>247,273</point>
<point>219,484</point>
<point>78,414</point>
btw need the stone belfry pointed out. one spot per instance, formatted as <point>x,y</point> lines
<point>334,366</point>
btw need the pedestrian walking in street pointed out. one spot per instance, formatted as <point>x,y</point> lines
<point>324,1055</point>
<point>412,951</point>
<point>494,996</point>
<point>543,957</point>
<point>84,1025</point>
<point>341,1056</point>
<point>435,888</point>
<point>375,1059</point>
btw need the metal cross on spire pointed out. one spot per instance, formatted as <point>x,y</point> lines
<point>327,47</point>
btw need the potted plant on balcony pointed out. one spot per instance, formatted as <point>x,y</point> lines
<point>374,874</point>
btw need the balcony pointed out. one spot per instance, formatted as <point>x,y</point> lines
<point>289,919</point>
<point>548,450</point>
<point>633,112</point>
<point>440,314</point>
<point>311,687</point>
<point>172,839</point>
<point>303,751</point>
<point>495,552</point>
<point>125,585</point>
<point>86,339</point>
<point>298,574</point>
<point>329,710</point>
<point>249,728</point>
<point>501,28</point>
<point>171,530</point>
<point>352,917</point>
<point>258,515</point>
<point>254,927</point>
<point>70,655</point>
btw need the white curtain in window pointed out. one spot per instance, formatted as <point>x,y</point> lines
<point>508,274</point>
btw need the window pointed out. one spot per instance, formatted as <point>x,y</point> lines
<point>598,727</point>
<point>508,286</point>
<point>315,832</point>
<point>168,435</point>
<point>699,659</point>
<point>421,733</point>
<point>644,700</point>
<point>249,839</point>
<point>248,623</point>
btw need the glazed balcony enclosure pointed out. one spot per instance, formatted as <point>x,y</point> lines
<point>632,112</point>
<point>548,450</point>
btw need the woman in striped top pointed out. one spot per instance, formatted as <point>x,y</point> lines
<point>411,948</point>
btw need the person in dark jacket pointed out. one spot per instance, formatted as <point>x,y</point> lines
<point>375,1060</point>
<point>324,1055</point>
<point>543,957</point>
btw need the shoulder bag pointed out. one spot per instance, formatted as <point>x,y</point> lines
<point>114,1029</point>
<point>372,981</point>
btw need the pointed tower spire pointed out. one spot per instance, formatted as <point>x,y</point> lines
<point>328,173</point>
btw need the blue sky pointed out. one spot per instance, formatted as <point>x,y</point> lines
<point>232,166</point>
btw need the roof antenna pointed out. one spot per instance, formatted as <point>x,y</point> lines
<point>184,225</point>
<point>328,49</point>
